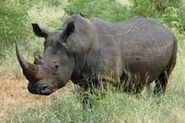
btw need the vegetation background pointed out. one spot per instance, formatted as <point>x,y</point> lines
<point>17,105</point>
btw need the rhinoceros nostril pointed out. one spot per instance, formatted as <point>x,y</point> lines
<point>56,66</point>
<point>45,90</point>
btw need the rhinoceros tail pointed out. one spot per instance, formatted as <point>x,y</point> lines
<point>172,62</point>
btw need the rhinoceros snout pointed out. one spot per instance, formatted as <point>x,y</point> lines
<point>34,88</point>
<point>45,90</point>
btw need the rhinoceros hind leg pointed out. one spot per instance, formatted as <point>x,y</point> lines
<point>160,83</point>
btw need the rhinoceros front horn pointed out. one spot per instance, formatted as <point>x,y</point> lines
<point>29,70</point>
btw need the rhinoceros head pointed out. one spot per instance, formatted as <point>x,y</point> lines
<point>64,52</point>
<point>54,69</point>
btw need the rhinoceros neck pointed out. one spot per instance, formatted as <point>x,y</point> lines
<point>103,58</point>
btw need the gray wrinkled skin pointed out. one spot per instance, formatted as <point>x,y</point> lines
<point>92,53</point>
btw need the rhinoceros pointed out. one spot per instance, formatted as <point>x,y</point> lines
<point>93,53</point>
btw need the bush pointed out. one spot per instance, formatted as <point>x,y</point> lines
<point>169,12</point>
<point>109,10</point>
<point>157,5</point>
<point>14,26</point>
<point>13,23</point>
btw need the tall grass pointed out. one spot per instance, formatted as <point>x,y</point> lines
<point>114,107</point>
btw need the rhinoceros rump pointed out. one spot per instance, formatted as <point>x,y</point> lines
<point>130,54</point>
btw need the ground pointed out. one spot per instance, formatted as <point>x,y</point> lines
<point>14,95</point>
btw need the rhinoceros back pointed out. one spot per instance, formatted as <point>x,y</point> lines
<point>141,47</point>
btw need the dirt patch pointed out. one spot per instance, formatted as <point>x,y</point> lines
<point>14,95</point>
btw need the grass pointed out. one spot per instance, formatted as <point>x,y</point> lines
<point>66,105</point>
<point>18,105</point>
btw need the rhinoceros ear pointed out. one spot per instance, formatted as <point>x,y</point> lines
<point>40,32</point>
<point>67,32</point>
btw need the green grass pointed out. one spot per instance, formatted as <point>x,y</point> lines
<point>15,22</point>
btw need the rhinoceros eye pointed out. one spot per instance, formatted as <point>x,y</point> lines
<point>56,65</point>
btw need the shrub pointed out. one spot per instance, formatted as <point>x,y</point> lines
<point>169,12</point>
<point>13,23</point>
<point>109,10</point>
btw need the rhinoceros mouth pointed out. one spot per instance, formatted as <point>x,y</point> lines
<point>35,88</point>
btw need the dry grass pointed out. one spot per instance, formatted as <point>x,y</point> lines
<point>14,97</point>
<point>124,2</point>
